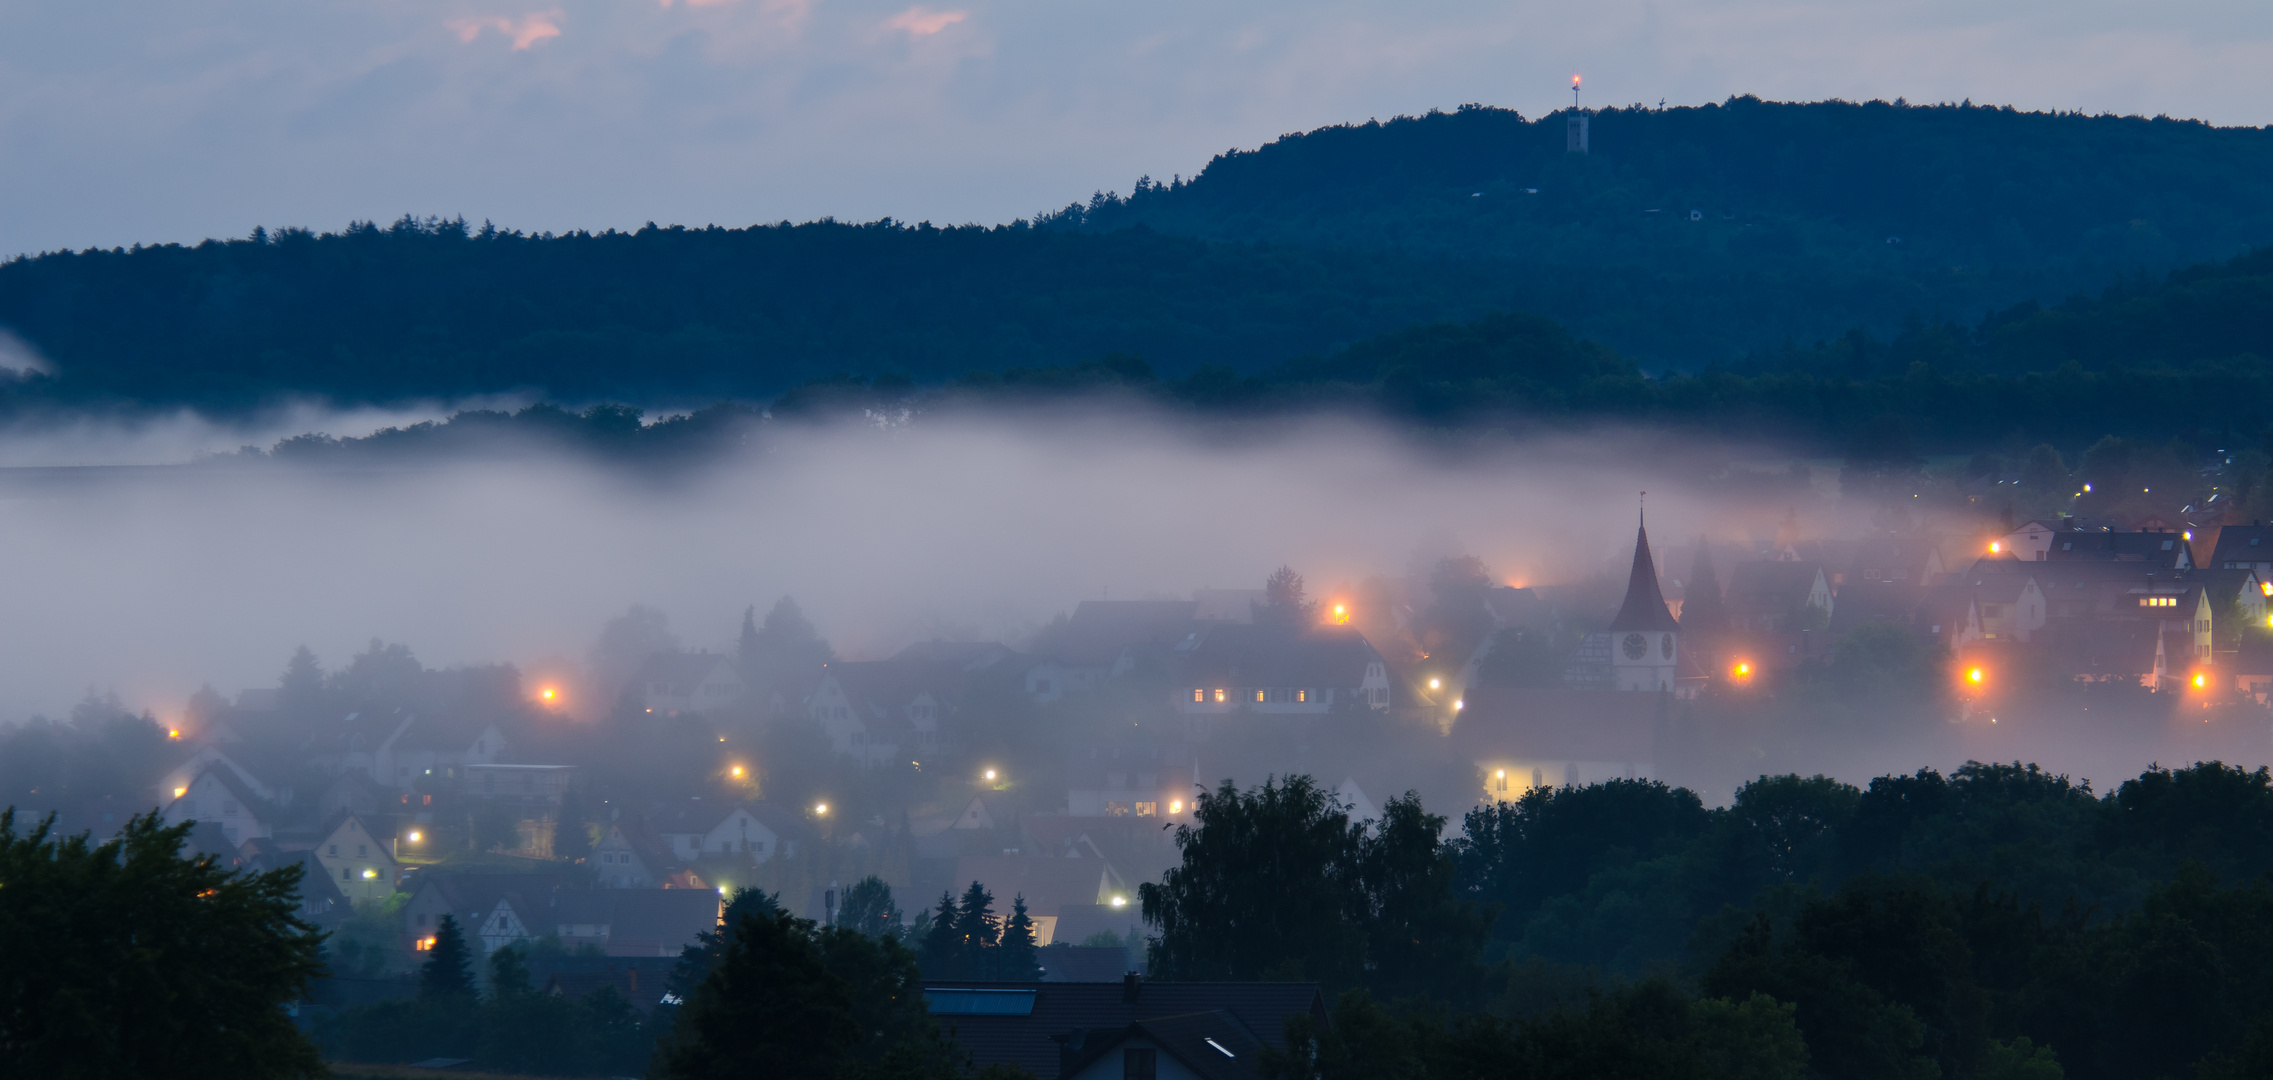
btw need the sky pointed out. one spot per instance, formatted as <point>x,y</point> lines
<point>125,121</point>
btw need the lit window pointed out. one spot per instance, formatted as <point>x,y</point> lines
<point>1148,809</point>
<point>1302,695</point>
<point>1199,695</point>
<point>1258,697</point>
<point>1219,696</point>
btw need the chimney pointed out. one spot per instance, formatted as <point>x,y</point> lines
<point>1130,984</point>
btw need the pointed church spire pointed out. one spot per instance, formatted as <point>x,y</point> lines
<point>1644,608</point>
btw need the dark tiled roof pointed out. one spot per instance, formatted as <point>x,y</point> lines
<point>1100,629</point>
<point>1062,1008</point>
<point>2243,545</point>
<point>1214,1045</point>
<point>1243,655</point>
<point>1083,963</point>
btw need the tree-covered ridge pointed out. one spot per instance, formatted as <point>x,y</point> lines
<point>1689,234</point>
<point>436,310</point>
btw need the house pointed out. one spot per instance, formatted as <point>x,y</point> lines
<point>1522,739</point>
<point>1210,1045</point>
<point>672,683</point>
<point>2031,542</point>
<point>743,833</point>
<point>1221,668</point>
<point>1046,1028</point>
<point>634,922</point>
<point>1902,562</point>
<point>1105,639</point>
<point>2007,603</point>
<point>218,795</point>
<point>356,859</point>
<point>407,752</point>
<point>881,712</point>
<point>1106,780</point>
<point>211,757</point>
<point>640,979</point>
<point>2160,548</point>
<point>1778,597</point>
<point>2244,547</point>
<point>491,909</point>
<point>629,856</point>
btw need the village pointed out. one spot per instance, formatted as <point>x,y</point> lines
<point>1056,773</point>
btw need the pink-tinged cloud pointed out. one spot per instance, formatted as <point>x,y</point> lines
<point>924,22</point>
<point>525,31</point>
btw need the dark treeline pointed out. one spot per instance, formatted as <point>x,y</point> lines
<point>2176,359</point>
<point>1688,236</point>
<point>436,310</point>
<point>1997,922</point>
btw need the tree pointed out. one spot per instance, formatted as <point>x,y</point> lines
<point>868,909</point>
<point>1284,600</point>
<point>447,974</point>
<point>1422,936</point>
<point>300,691</point>
<point>625,644</point>
<point>1014,958</point>
<point>572,828</point>
<point>942,946</point>
<point>124,959</point>
<point>785,646</point>
<point>770,1008</point>
<point>1264,890</point>
<point>976,929</point>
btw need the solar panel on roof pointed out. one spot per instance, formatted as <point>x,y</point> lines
<point>979,1002</point>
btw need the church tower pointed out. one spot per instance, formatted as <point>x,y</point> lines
<point>1642,636</point>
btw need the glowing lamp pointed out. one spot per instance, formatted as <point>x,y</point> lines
<point>1175,806</point>
<point>1120,901</point>
<point>2200,680</point>
<point>173,733</point>
<point>1459,704</point>
<point>821,808</point>
<point>1436,684</point>
<point>1995,546</point>
<point>1973,676</point>
<point>990,774</point>
<point>737,770</point>
<point>551,693</point>
<point>180,791</point>
<point>414,836</point>
<point>369,874</point>
<point>1500,774</point>
<point>2087,489</point>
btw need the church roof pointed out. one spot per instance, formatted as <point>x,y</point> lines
<point>1644,608</point>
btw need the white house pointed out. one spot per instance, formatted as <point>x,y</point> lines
<point>357,860</point>
<point>218,796</point>
<point>750,833</point>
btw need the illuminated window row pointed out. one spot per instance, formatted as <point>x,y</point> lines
<point>2158,601</point>
<point>1200,695</point>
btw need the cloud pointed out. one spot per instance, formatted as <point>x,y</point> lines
<point>525,31</point>
<point>924,22</point>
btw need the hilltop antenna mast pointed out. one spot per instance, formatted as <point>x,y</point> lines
<point>1575,126</point>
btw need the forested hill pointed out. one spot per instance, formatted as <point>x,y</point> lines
<point>664,315</point>
<point>1689,235</point>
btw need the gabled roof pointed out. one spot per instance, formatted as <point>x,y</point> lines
<point>1100,629</point>
<point>1771,587</point>
<point>1058,1008</point>
<point>1272,654</point>
<point>2163,549</point>
<point>2243,545</point>
<point>1214,1045</point>
<point>247,799</point>
<point>1644,608</point>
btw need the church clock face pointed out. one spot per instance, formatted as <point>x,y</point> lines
<point>1636,646</point>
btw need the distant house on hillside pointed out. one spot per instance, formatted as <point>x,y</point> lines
<point>219,796</point>
<point>1223,668</point>
<point>357,860</point>
<point>746,833</point>
<point>672,683</point>
<point>401,750</point>
<point>1105,639</point>
<point>1778,597</point>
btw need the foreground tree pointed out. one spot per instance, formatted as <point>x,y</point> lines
<point>124,959</point>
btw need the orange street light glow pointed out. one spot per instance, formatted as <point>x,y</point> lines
<point>1973,676</point>
<point>173,733</point>
<point>2201,681</point>
<point>550,693</point>
<point>737,772</point>
<point>990,774</point>
<point>180,791</point>
<point>1436,684</point>
<point>821,808</point>
<point>1175,806</point>
<point>414,836</point>
<point>1995,546</point>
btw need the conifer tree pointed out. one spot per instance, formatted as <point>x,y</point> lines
<point>1014,959</point>
<point>942,945</point>
<point>448,972</point>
